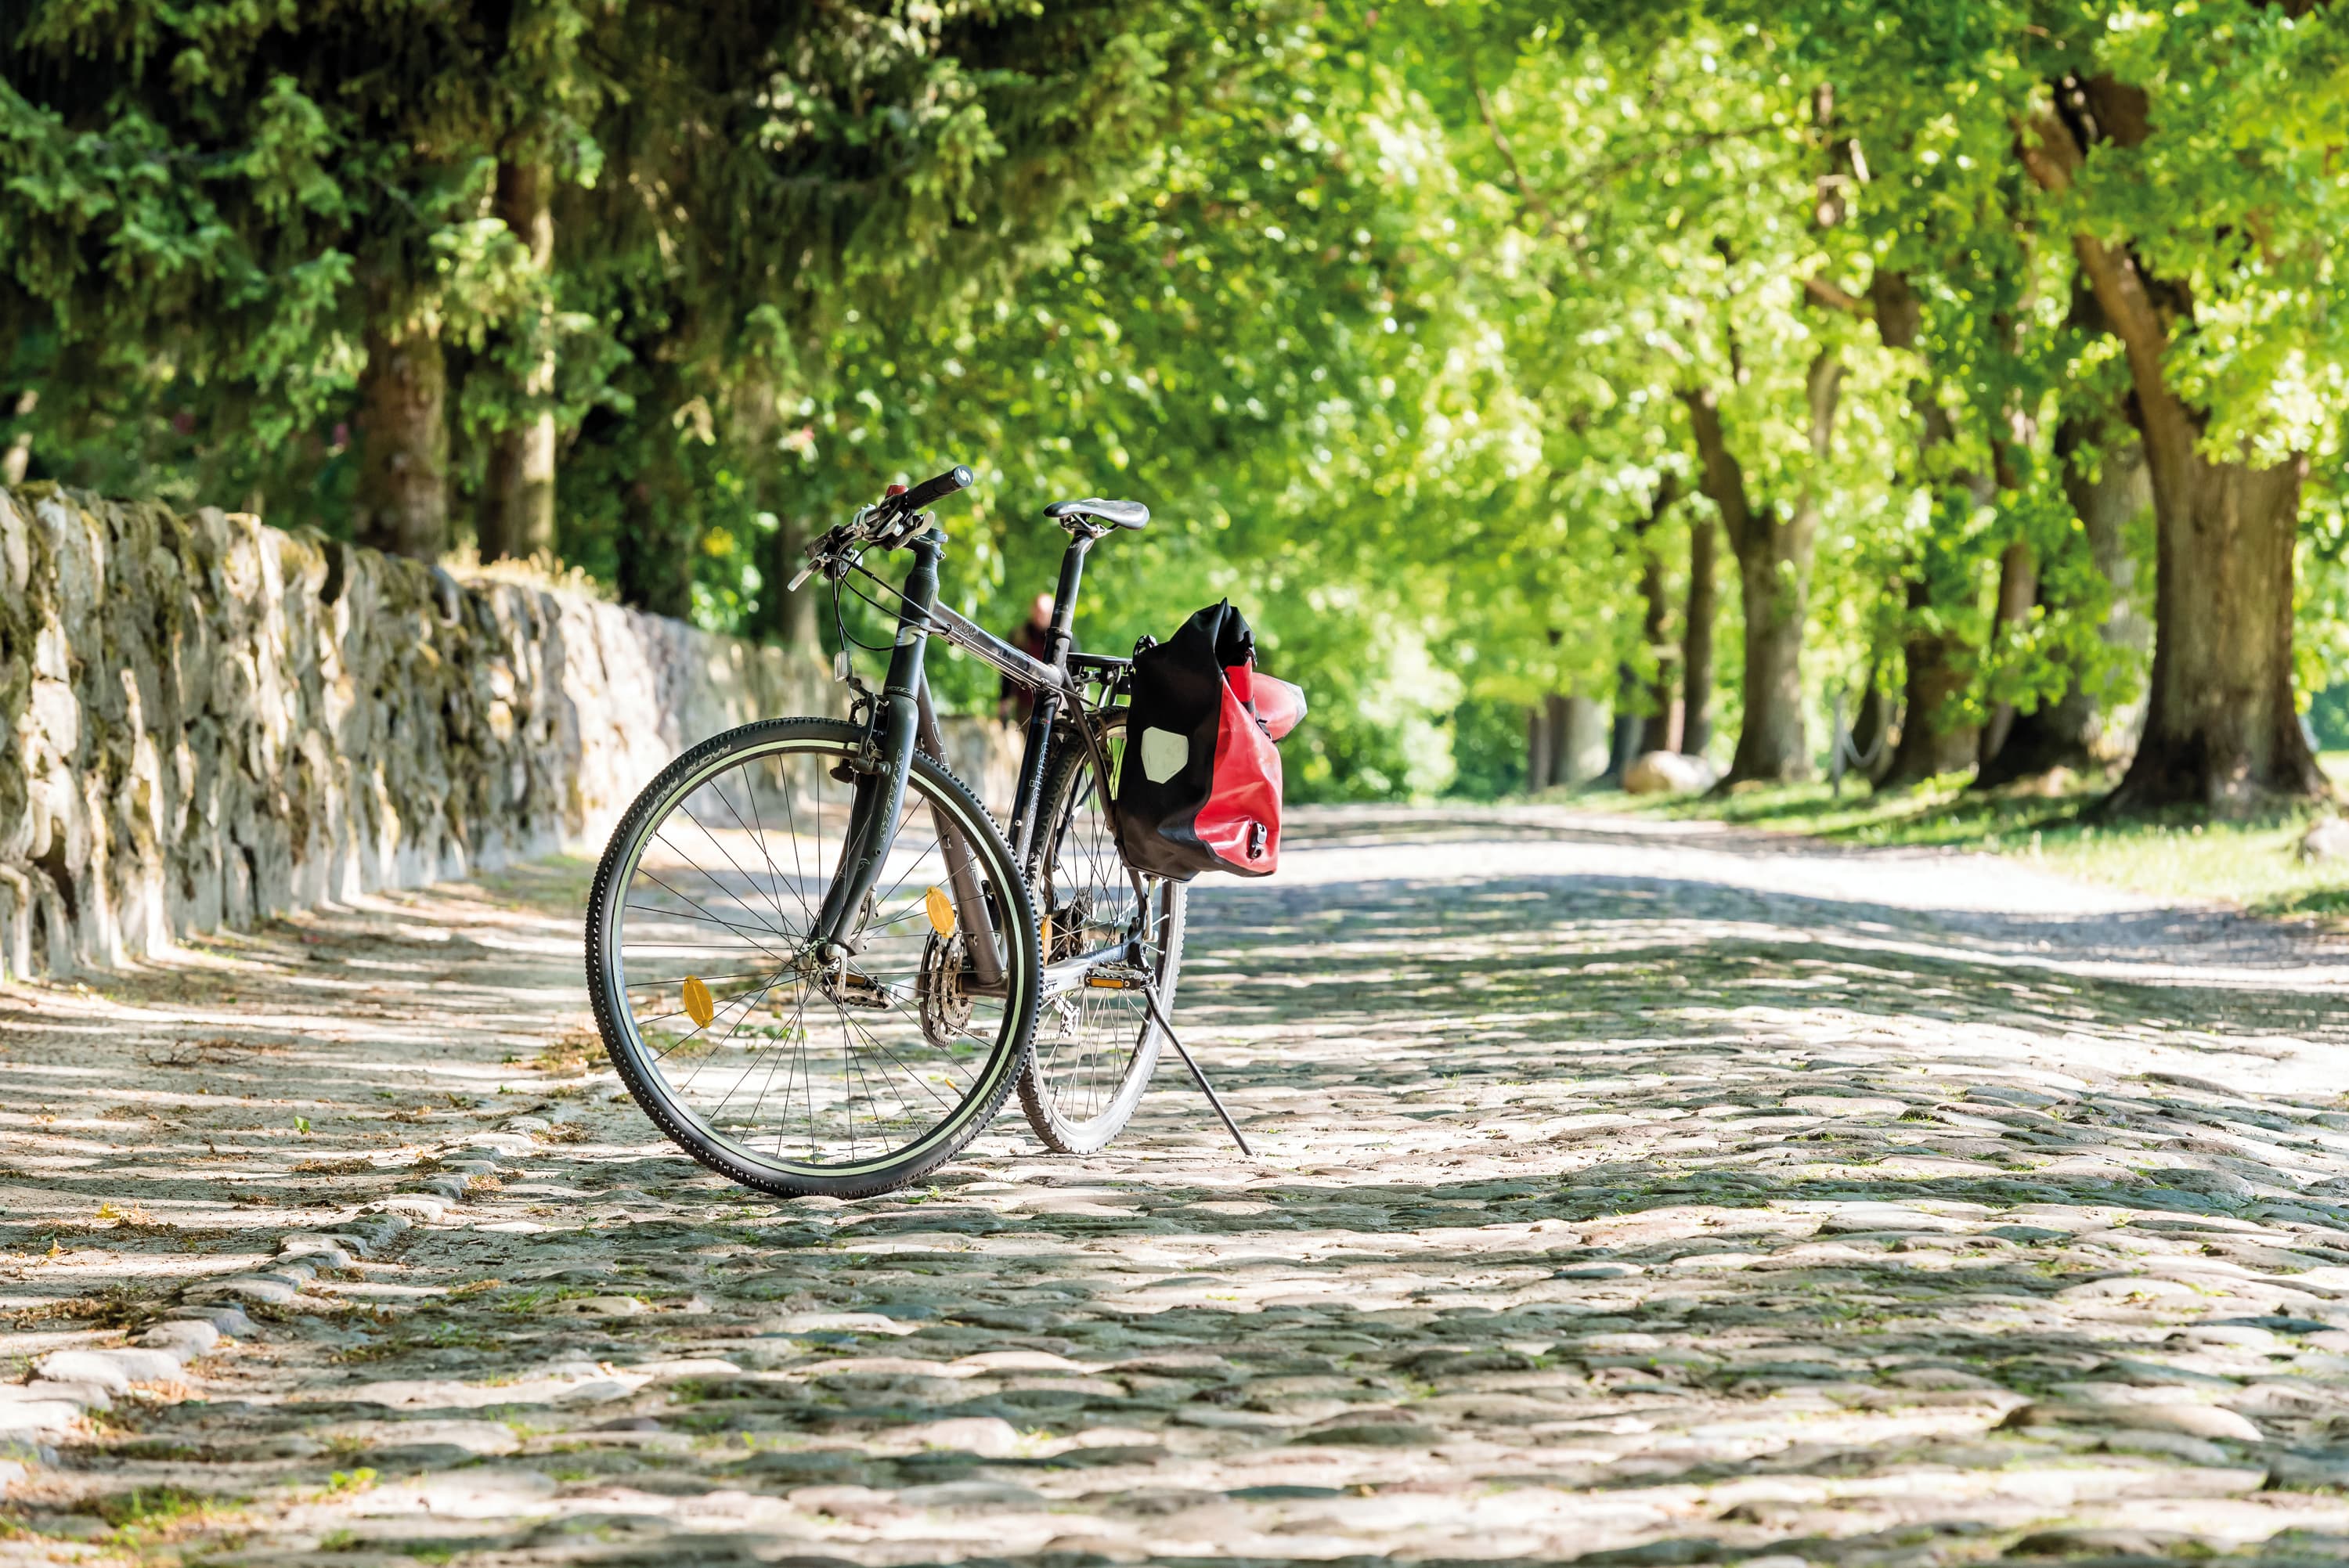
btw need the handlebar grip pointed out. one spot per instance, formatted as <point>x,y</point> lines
<point>945,484</point>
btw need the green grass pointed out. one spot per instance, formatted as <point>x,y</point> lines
<point>2184,856</point>
<point>161,1510</point>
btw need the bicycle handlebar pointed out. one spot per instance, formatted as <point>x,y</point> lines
<point>879,521</point>
<point>928,490</point>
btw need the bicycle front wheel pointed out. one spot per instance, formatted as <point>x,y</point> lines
<point>1096,1044</point>
<point>770,1066</point>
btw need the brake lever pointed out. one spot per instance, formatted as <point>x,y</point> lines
<point>908,525</point>
<point>820,553</point>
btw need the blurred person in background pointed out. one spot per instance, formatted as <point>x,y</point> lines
<point>1032,637</point>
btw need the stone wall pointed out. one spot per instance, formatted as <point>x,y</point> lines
<point>205,721</point>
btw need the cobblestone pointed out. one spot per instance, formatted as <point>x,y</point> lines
<point>1627,1193</point>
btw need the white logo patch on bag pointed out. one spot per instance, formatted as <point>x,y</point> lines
<point>1164,752</point>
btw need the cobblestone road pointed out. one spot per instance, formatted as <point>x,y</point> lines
<point>1636,1193</point>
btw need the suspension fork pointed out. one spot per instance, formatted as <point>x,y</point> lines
<point>881,792</point>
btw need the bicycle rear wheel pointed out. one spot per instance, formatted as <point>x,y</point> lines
<point>764,1063</point>
<point>1095,1047</point>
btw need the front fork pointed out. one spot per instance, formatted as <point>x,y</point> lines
<point>906,719</point>
<point>881,788</point>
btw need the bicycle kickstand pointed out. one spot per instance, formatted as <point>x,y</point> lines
<point>1150,995</point>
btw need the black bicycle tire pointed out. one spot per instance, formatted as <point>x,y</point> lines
<point>1004,1069</point>
<point>1070,757</point>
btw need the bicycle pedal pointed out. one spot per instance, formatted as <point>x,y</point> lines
<point>1116,977</point>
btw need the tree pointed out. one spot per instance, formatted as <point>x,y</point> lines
<point>1659,189</point>
<point>1774,561</point>
<point>517,514</point>
<point>1938,587</point>
<point>278,210</point>
<point>1703,608</point>
<point>2222,727</point>
<point>1660,731</point>
<point>853,181</point>
<point>2180,157</point>
<point>2102,467</point>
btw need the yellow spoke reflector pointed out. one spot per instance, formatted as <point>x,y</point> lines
<point>941,908</point>
<point>697,1005</point>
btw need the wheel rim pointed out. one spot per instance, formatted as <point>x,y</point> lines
<point>786,1063</point>
<point>1093,1047</point>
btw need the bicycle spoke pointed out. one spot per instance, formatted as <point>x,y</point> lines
<point>760,1103</point>
<point>881,898</point>
<point>780,913</point>
<point>706,979</point>
<point>729,1040</point>
<point>742,930</point>
<point>750,793</point>
<point>797,1038</point>
<point>1093,1045</point>
<point>686,1041</point>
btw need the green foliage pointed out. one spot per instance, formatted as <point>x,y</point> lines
<point>1488,748</point>
<point>1390,313</point>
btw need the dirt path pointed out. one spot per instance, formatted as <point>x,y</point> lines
<point>1650,1191</point>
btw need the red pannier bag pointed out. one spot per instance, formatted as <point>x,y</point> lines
<point>1199,789</point>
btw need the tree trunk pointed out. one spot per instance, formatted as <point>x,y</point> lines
<point>1696,637</point>
<point>1561,731</point>
<point>785,617</point>
<point>1657,730</point>
<point>517,505</point>
<point>2018,592</point>
<point>403,483</point>
<point>656,565</point>
<point>1933,741</point>
<point>1554,727</point>
<point>1771,743</point>
<point>1930,744</point>
<point>2077,731</point>
<point>1624,750</point>
<point>2221,729</point>
<point>1656,726</point>
<point>1579,730</point>
<point>2111,503</point>
<point>1774,571</point>
<point>1871,726</point>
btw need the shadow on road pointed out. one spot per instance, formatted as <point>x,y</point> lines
<point>1650,1197</point>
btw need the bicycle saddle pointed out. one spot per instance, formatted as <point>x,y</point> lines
<point>1123,514</point>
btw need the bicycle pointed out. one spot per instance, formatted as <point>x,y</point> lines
<point>748,922</point>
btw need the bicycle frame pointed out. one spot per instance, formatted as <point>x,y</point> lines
<point>904,718</point>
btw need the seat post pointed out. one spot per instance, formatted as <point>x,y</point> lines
<point>1064,599</point>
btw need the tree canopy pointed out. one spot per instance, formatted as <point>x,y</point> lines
<point>1974,370</point>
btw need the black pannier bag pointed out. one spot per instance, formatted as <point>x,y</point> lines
<point>1199,789</point>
